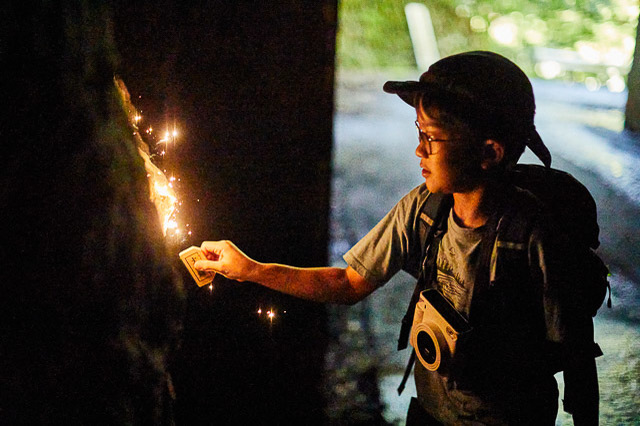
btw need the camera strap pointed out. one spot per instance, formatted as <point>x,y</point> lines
<point>436,208</point>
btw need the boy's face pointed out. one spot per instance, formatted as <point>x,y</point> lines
<point>448,162</point>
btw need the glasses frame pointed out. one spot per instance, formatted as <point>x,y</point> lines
<point>426,140</point>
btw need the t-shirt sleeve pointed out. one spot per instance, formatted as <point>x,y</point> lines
<point>393,244</point>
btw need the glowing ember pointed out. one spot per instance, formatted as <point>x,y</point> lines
<point>161,191</point>
<point>270,314</point>
<point>161,194</point>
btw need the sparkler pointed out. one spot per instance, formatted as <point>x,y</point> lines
<point>162,194</point>
<point>162,191</point>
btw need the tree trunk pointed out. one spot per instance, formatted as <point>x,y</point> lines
<point>90,306</point>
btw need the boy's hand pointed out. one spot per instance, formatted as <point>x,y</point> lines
<point>226,259</point>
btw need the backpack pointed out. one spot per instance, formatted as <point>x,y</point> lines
<point>573,214</point>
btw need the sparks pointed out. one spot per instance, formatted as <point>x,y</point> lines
<point>161,188</point>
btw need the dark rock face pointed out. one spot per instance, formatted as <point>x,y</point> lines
<point>90,304</point>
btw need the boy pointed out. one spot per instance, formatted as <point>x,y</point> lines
<point>475,115</point>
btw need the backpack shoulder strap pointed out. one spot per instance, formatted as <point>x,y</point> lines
<point>434,215</point>
<point>512,232</point>
<point>430,208</point>
<point>432,212</point>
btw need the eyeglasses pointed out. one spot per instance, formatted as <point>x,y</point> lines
<point>426,140</point>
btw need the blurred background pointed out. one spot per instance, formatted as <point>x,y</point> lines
<point>588,42</point>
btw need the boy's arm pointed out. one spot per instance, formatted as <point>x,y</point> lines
<point>325,284</point>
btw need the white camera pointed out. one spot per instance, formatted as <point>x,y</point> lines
<point>437,327</point>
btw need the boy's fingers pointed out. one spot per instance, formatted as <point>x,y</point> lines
<point>209,246</point>
<point>206,265</point>
<point>211,249</point>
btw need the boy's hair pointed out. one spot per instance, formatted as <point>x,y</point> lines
<point>485,90</point>
<point>452,122</point>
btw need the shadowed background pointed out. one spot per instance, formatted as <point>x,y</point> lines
<point>251,85</point>
<point>91,309</point>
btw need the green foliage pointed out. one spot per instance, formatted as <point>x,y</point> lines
<point>374,34</point>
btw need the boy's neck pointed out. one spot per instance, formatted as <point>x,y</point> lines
<point>473,209</point>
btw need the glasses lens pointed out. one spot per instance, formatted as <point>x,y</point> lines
<point>424,140</point>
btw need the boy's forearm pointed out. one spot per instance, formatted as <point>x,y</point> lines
<point>326,284</point>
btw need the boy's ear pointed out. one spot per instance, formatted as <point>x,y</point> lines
<point>492,154</point>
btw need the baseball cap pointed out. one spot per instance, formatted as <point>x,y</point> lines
<point>483,87</point>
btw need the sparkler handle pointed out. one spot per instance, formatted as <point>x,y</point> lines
<point>189,257</point>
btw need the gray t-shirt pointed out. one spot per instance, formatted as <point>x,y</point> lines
<point>457,256</point>
<point>395,243</point>
<point>456,274</point>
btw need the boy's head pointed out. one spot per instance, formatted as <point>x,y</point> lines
<point>486,91</point>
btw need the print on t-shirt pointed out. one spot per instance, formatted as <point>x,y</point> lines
<point>452,286</point>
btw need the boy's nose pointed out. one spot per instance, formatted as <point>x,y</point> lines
<point>420,151</point>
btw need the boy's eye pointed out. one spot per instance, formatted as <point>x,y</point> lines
<point>425,137</point>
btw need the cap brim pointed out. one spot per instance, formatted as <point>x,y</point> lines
<point>407,90</point>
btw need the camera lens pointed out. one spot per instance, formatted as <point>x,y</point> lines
<point>426,347</point>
